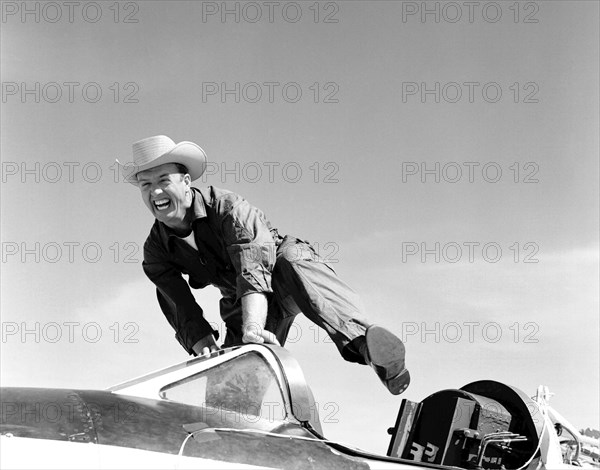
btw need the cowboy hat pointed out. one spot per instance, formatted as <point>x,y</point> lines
<point>158,150</point>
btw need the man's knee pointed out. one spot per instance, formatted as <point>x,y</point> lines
<point>293,251</point>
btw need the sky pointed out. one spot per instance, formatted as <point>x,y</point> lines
<point>442,157</point>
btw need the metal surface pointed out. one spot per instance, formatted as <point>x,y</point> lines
<point>301,398</point>
<point>522,408</point>
<point>498,437</point>
<point>139,420</point>
<point>118,419</point>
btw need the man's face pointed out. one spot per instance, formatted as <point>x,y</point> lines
<point>166,192</point>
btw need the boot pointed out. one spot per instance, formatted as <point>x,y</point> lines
<point>384,352</point>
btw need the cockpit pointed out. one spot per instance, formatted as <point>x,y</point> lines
<point>255,386</point>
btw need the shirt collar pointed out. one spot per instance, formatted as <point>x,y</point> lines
<point>198,206</point>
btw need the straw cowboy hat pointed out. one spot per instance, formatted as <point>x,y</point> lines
<point>158,150</point>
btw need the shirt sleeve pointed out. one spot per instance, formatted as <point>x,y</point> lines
<point>249,243</point>
<point>175,298</point>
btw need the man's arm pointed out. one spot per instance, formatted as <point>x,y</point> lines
<point>251,248</point>
<point>254,317</point>
<point>176,300</point>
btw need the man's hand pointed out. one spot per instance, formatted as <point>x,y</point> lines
<point>206,346</point>
<point>256,335</point>
<point>254,317</point>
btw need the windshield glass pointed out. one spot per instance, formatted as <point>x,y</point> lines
<point>246,385</point>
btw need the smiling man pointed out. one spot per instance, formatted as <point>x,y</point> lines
<point>217,238</point>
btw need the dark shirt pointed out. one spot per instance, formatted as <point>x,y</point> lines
<point>236,254</point>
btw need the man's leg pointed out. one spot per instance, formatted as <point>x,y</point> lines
<point>281,315</point>
<point>302,278</point>
<point>231,314</point>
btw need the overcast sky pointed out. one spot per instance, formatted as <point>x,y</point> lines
<point>444,161</point>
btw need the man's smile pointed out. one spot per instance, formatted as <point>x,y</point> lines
<point>162,204</point>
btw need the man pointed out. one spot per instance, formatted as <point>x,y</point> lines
<point>216,237</point>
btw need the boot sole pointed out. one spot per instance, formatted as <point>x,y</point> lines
<point>397,385</point>
<point>386,354</point>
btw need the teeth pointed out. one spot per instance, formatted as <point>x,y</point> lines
<point>162,204</point>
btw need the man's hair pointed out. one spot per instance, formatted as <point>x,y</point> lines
<point>181,168</point>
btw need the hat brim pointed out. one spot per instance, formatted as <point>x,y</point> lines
<point>188,154</point>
